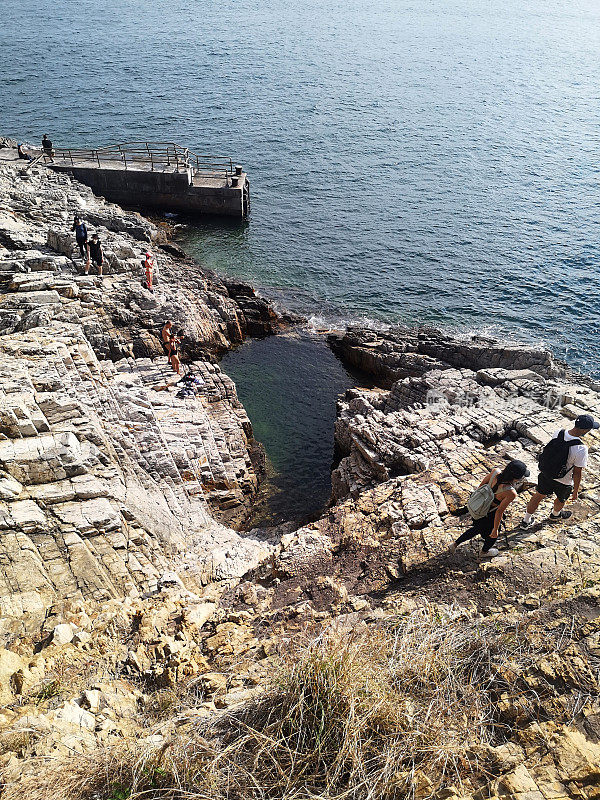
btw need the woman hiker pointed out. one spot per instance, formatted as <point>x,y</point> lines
<point>504,487</point>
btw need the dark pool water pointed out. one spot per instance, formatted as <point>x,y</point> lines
<point>289,385</point>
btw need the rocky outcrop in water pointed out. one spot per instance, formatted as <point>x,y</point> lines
<point>399,353</point>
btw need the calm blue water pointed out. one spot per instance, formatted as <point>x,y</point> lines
<point>432,160</point>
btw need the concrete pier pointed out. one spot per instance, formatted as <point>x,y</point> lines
<point>159,175</point>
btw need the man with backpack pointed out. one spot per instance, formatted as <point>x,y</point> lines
<point>561,462</point>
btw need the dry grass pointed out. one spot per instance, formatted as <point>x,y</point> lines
<point>382,715</point>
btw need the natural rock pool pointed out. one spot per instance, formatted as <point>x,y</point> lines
<point>289,385</point>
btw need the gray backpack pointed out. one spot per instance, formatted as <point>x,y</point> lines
<point>480,502</point>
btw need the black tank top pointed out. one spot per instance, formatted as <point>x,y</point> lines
<point>495,501</point>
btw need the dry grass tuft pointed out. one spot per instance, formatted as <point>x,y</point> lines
<point>387,714</point>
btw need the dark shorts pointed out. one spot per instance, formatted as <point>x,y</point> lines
<point>548,486</point>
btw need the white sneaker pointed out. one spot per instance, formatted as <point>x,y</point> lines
<point>525,525</point>
<point>491,553</point>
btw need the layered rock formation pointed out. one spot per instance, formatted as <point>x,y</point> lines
<point>131,614</point>
<point>108,478</point>
<point>410,456</point>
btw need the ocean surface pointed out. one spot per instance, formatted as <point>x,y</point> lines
<point>410,160</point>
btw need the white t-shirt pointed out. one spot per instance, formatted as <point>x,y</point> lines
<point>578,457</point>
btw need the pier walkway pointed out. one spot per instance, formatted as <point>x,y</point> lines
<point>160,175</point>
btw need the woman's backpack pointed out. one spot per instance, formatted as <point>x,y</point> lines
<point>480,501</point>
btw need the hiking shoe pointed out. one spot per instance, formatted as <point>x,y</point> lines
<point>525,525</point>
<point>561,515</point>
<point>490,553</point>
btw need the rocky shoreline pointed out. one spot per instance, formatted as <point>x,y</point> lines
<point>123,581</point>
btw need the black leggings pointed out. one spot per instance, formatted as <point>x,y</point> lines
<point>82,247</point>
<point>480,527</point>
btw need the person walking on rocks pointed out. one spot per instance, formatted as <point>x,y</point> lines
<point>47,149</point>
<point>95,254</point>
<point>81,235</point>
<point>488,505</point>
<point>149,270</point>
<point>562,462</point>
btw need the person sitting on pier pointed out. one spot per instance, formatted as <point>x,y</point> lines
<point>149,270</point>
<point>22,154</point>
<point>95,254</point>
<point>47,148</point>
<point>81,235</point>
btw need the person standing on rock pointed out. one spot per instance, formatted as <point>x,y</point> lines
<point>47,147</point>
<point>562,462</point>
<point>81,235</point>
<point>173,353</point>
<point>166,333</point>
<point>149,270</point>
<point>503,485</point>
<point>95,254</point>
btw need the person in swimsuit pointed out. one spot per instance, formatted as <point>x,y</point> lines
<point>504,485</point>
<point>165,334</point>
<point>173,354</point>
<point>149,270</point>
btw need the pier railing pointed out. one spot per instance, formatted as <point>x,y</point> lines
<point>154,156</point>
